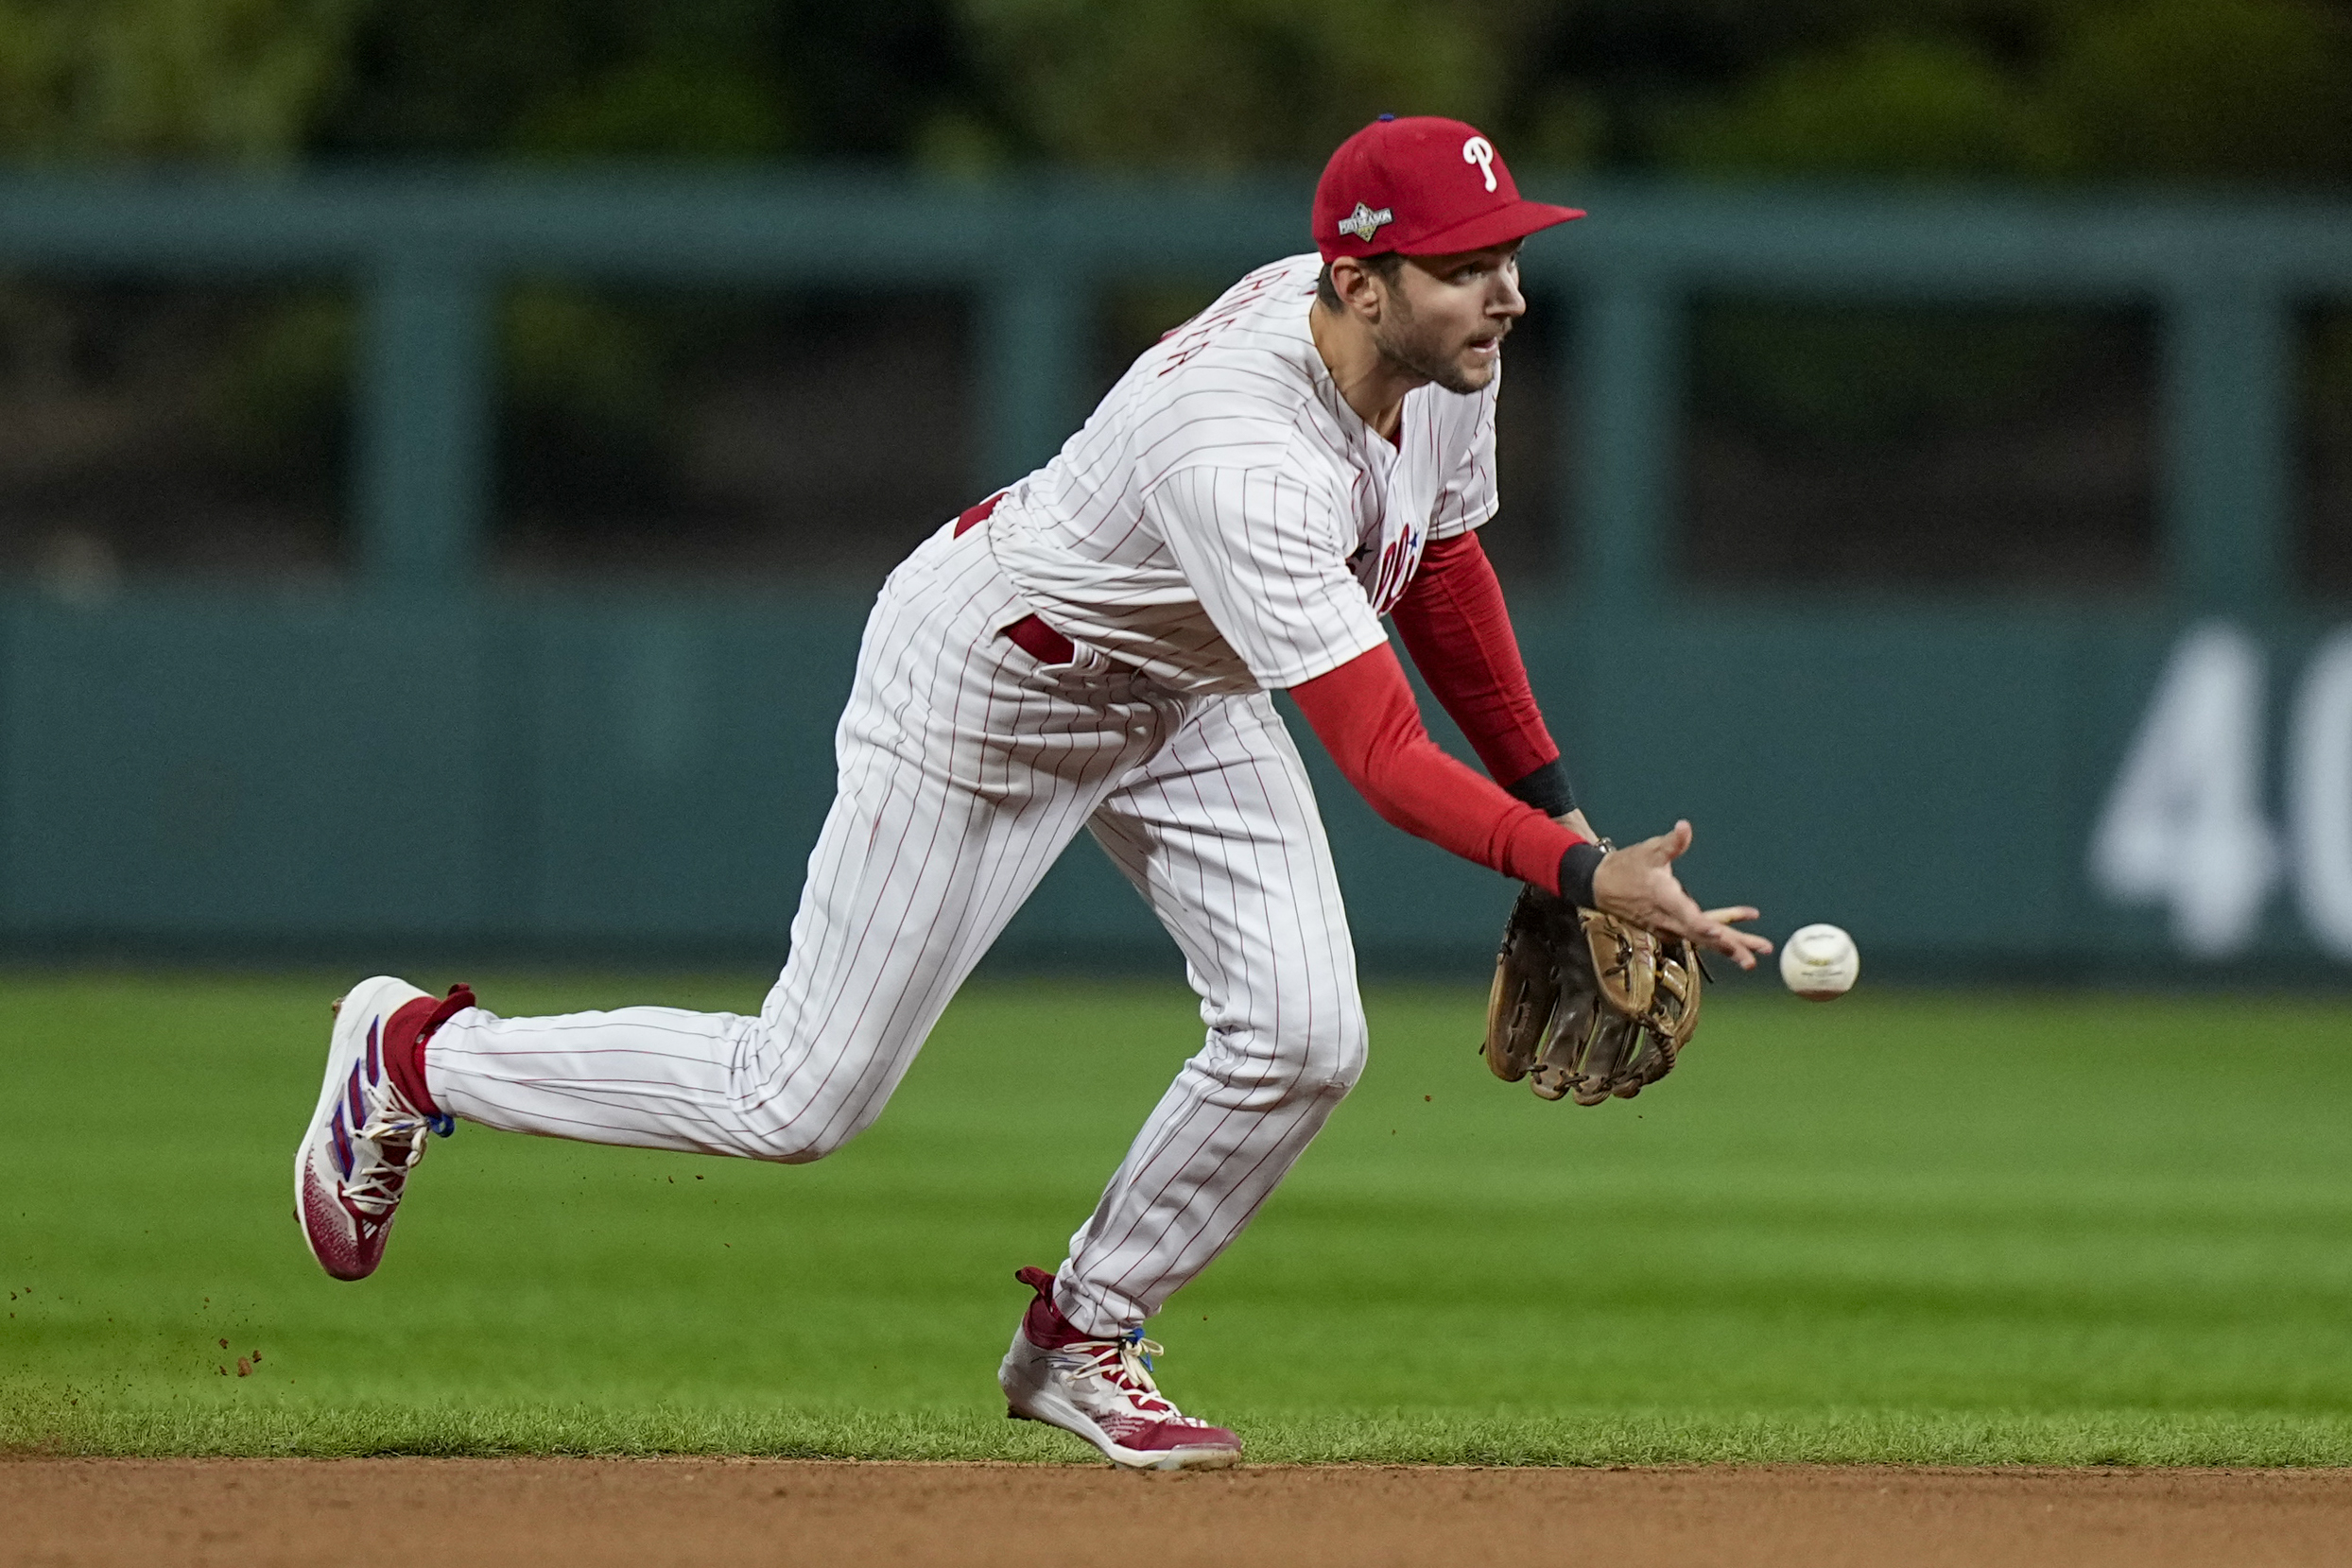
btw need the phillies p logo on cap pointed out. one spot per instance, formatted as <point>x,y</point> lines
<point>1479,151</point>
<point>1422,186</point>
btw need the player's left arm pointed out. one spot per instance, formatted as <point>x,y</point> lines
<point>1454,623</point>
<point>1364,713</point>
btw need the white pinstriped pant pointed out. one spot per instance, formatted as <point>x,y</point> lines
<point>965,767</point>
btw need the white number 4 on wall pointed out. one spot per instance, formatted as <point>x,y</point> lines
<point>2184,826</point>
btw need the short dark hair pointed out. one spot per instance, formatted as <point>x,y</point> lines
<point>1384,266</point>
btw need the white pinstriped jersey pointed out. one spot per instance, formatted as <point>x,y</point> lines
<point>1225,522</point>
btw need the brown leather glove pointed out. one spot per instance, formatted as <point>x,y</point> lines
<point>1586,1006</point>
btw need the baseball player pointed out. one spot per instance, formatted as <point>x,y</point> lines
<point>1096,648</point>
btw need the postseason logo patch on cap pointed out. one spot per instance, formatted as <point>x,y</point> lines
<point>1363,221</point>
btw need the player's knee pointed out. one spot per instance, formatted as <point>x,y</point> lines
<point>1351,1049</point>
<point>787,1147</point>
<point>805,1137</point>
<point>1332,1050</point>
<point>805,1152</point>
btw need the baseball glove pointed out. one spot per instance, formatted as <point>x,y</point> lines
<point>1585,1005</point>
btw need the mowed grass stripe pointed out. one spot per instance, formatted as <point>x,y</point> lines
<point>1938,1227</point>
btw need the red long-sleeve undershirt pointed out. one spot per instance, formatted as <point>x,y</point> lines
<point>1457,629</point>
<point>1365,716</point>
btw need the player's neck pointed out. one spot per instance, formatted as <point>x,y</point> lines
<point>1371,382</point>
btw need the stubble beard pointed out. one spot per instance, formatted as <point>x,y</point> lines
<point>1415,354</point>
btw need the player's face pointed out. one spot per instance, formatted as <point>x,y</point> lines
<point>1448,315</point>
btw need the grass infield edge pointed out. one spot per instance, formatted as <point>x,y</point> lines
<point>66,1424</point>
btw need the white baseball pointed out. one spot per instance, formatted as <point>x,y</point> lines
<point>1820,963</point>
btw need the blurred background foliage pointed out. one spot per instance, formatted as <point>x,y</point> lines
<point>173,80</point>
<point>2048,94</point>
<point>2227,90</point>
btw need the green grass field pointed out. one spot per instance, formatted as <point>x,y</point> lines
<point>1956,1229</point>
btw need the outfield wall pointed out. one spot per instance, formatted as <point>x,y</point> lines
<point>2048,793</point>
<point>415,761</point>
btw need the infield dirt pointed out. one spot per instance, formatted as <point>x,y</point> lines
<point>585,1512</point>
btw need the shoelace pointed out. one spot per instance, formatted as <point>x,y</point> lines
<point>376,1180</point>
<point>1125,1363</point>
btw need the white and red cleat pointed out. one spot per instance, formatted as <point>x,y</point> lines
<point>1102,1390</point>
<point>367,1135</point>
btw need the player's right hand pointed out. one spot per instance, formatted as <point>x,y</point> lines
<point>1637,884</point>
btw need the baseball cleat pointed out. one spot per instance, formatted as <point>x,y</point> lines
<point>1102,1390</point>
<point>365,1137</point>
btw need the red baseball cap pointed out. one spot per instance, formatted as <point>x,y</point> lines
<point>1422,186</point>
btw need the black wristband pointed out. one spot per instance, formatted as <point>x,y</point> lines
<point>1577,864</point>
<point>1546,789</point>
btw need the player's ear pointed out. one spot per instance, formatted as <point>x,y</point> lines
<point>1357,286</point>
